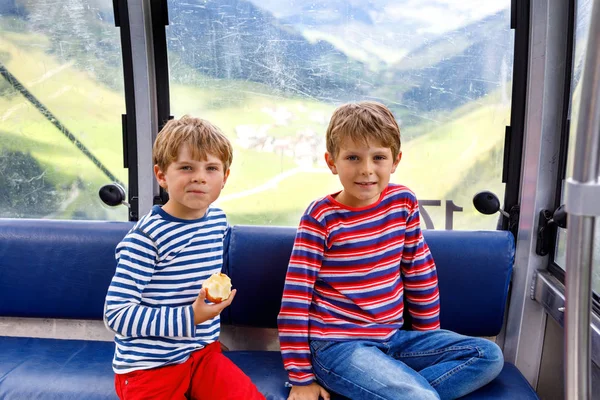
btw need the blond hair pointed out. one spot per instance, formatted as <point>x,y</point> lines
<point>202,137</point>
<point>363,122</point>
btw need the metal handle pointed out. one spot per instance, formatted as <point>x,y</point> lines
<point>581,220</point>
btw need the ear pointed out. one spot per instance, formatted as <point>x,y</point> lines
<point>160,177</point>
<point>331,163</point>
<point>225,178</point>
<point>396,162</point>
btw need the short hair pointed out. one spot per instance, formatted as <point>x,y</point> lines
<point>202,137</point>
<point>361,122</point>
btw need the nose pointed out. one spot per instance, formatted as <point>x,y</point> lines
<point>367,168</point>
<point>199,177</point>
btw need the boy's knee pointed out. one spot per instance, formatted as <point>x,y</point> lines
<point>493,355</point>
<point>413,392</point>
<point>428,394</point>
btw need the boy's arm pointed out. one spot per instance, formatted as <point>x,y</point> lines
<point>123,313</point>
<point>305,263</point>
<point>419,276</point>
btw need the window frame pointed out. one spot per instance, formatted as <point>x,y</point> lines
<point>515,133</point>
<point>553,267</point>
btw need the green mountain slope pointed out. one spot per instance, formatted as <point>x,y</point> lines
<point>267,184</point>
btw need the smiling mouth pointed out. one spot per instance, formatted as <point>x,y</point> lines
<point>366,183</point>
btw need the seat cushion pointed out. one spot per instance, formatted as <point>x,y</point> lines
<point>56,369</point>
<point>265,368</point>
<point>510,384</point>
<point>48,369</point>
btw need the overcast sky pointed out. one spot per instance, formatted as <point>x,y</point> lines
<point>439,16</point>
<point>435,16</point>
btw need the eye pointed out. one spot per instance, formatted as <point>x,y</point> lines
<point>186,168</point>
<point>379,158</point>
<point>213,168</point>
<point>352,158</point>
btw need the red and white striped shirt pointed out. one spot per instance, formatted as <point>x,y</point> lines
<point>349,274</point>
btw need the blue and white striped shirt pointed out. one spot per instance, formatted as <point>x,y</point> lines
<point>161,264</point>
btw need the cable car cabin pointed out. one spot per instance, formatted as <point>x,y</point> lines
<point>499,110</point>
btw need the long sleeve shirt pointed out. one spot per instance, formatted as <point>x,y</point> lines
<point>161,265</point>
<point>351,272</point>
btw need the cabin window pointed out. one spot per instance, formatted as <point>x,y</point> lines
<point>62,76</point>
<point>270,73</point>
<point>582,24</point>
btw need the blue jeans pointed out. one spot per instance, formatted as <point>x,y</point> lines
<point>411,365</point>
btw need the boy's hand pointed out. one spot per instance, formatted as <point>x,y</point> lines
<point>203,312</point>
<point>308,392</point>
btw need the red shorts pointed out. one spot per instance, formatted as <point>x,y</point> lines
<point>207,374</point>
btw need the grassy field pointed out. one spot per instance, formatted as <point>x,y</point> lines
<point>452,162</point>
<point>451,159</point>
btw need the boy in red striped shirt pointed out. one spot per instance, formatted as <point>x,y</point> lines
<point>359,257</point>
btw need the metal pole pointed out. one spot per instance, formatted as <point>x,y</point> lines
<point>146,109</point>
<point>581,202</point>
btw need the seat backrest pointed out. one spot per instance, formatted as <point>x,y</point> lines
<point>62,269</point>
<point>257,260</point>
<point>474,270</point>
<point>57,269</point>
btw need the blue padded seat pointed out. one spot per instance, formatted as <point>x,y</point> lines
<point>57,269</point>
<point>474,270</point>
<point>51,369</point>
<point>265,368</point>
<point>62,269</point>
<point>251,249</point>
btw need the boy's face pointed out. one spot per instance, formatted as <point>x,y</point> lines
<point>364,171</point>
<point>192,184</point>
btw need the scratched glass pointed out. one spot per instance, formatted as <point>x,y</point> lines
<point>582,24</point>
<point>61,76</point>
<point>270,73</point>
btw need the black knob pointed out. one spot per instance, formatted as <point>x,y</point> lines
<point>560,216</point>
<point>486,202</point>
<point>112,194</point>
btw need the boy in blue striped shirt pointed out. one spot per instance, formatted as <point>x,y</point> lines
<point>166,334</point>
